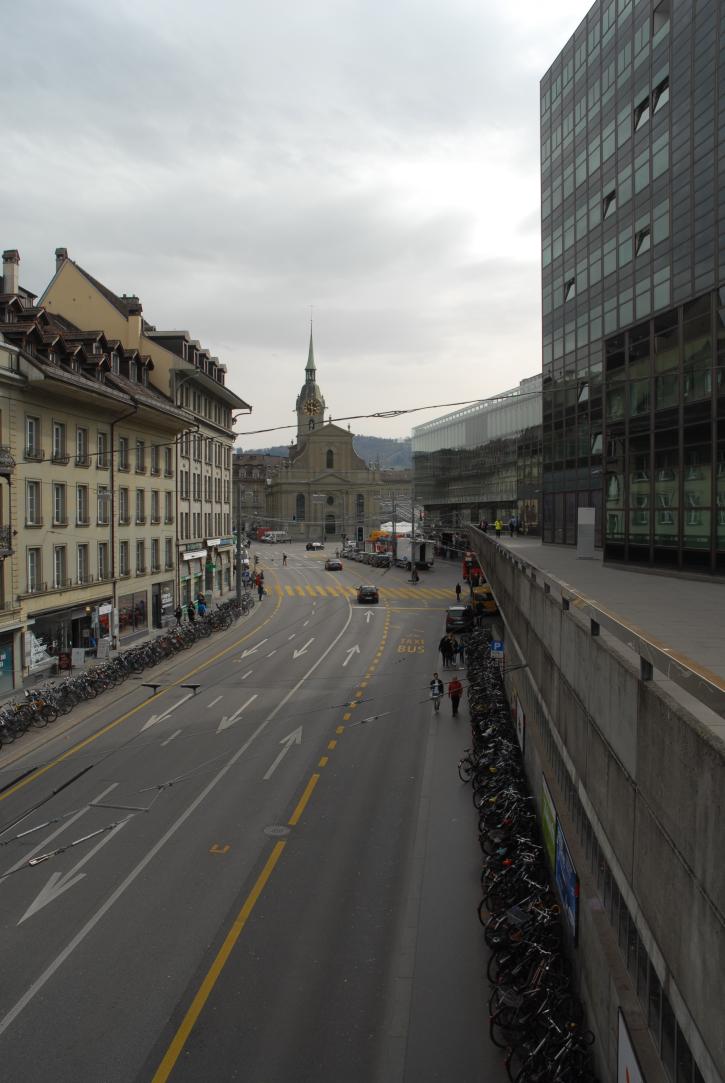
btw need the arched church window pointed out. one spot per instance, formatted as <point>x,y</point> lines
<point>300,507</point>
<point>330,459</point>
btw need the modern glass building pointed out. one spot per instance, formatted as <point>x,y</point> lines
<point>483,461</point>
<point>633,282</point>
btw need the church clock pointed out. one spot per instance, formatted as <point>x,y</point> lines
<point>312,407</point>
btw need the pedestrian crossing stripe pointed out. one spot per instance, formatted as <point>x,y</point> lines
<point>340,591</point>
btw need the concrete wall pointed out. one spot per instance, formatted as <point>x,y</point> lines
<point>631,768</point>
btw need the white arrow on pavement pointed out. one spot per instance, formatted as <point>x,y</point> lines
<point>227,722</point>
<point>301,650</point>
<point>252,649</point>
<point>350,652</point>
<point>368,614</point>
<point>291,739</point>
<point>60,882</point>
<point>160,717</point>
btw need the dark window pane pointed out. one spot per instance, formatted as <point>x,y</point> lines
<point>653,1012</point>
<point>668,1037</point>
<point>684,1059</point>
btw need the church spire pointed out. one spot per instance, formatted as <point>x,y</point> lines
<point>310,367</point>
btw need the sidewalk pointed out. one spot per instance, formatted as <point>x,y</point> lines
<point>687,615</point>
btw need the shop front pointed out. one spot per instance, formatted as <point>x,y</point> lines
<point>52,636</point>
<point>162,604</point>
<point>133,613</point>
<point>7,656</point>
<point>225,552</point>
<point>193,575</point>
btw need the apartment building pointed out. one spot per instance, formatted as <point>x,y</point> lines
<point>195,380</point>
<point>87,502</point>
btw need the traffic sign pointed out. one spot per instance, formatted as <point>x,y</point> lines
<point>497,648</point>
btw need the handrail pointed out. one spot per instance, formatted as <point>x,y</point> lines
<point>653,654</point>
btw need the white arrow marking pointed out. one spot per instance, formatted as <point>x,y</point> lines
<point>291,739</point>
<point>170,739</point>
<point>368,614</point>
<point>227,722</point>
<point>253,649</point>
<point>245,675</point>
<point>60,882</point>
<point>160,717</point>
<point>350,652</point>
<point>301,650</point>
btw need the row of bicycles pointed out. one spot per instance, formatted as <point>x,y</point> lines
<point>535,1015</point>
<point>42,705</point>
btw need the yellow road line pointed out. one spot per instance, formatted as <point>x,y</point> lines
<point>290,591</point>
<point>332,744</point>
<point>311,591</point>
<point>300,592</point>
<point>179,1040</point>
<point>323,761</point>
<point>302,803</point>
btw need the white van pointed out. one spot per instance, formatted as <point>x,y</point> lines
<point>273,536</point>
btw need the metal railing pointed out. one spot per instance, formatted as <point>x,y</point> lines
<point>7,462</point>
<point>6,540</point>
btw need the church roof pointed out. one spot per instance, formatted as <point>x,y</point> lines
<point>310,366</point>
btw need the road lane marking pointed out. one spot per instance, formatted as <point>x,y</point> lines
<point>292,636</point>
<point>305,624</point>
<point>218,849</point>
<point>272,652</point>
<point>179,1040</point>
<point>247,674</point>
<point>170,739</point>
<point>302,650</point>
<point>322,761</point>
<point>214,701</point>
<point>134,710</point>
<point>152,721</point>
<point>302,803</point>
<point>294,738</point>
<point>332,744</point>
<point>341,729</point>
<point>346,718</point>
<point>227,722</point>
<point>256,647</point>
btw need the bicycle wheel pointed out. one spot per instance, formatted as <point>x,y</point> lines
<point>465,769</point>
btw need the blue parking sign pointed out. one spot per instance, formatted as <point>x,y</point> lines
<point>497,648</point>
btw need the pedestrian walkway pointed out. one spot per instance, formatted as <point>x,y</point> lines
<point>685,614</point>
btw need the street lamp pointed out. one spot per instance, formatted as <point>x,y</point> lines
<point>320,498</point>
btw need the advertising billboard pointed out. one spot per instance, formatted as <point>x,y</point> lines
<point>548,822</point>
<point>567,882</point>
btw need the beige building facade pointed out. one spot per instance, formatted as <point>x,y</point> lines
<point>194,380</point>
<point>88,494</point>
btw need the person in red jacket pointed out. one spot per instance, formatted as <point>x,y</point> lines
<point>455,691</point>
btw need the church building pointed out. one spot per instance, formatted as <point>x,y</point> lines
<point>324,491</point>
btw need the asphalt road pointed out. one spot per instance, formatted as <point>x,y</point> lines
<point>271,877</point>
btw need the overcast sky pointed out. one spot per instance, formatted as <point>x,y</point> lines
<point>235,163</point>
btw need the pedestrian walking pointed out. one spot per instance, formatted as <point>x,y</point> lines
<point>512,526</point>
<point>284,560</point>
<point>455,691</point>
<point>458,592</point>
<point>485,526</point>
<point>178,613</point>
<point>191,612</point>
<point>461,654</point>
<point>498,527</point>
<point>437,688</point>
<point>260,590</point>
<point>445,648</point>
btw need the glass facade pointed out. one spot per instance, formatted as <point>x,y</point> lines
<point>633,256</point>
<point>482,462</point>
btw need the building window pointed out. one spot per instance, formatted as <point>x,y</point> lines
<point>661,95</point>
<point>34,570</point>
<point>169,553</point>
<point>59,566</point>
<point>103,566</point>
<point>360,506</point>
<point>330,459</point>
<point>300,507</point>
<point>168,463</point>
<point>83,576</point>
<point>140,457</point>
<point>123,558</point>
<point>643,242</point>
<point>609,203</point>
<point>155,460</point>
<point>59,505</point>
<point>569,289</point>
<point>140,557</point>
<point>123,453</point>
<point>155,555</point>
<point>140,506</point>
<point>32,504</point>
<point>155,507</point>
<point>104,505</point>
<point>641,114</point>
<point>660,16</point>
<point>82,457</point>
<point>168,507</point>
<point>59,452</point>
<point>82,515</point>
<point>124,517</point>
<point>102,458</point>
<point>32,438</point>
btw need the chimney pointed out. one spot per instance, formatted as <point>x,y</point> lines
<point>61,255</point>
<point>11,260</point>
<point>135,324</point>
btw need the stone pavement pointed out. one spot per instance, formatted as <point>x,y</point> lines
<point>686,614</point>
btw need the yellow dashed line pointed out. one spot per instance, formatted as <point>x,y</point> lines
<point>323,761</point>
<point>345,718</point>
<point>302,803</point>
<point>290,591</point>
<point>312,592</point>
<point>341,729</point>
<point>299,591</point>
<point>332,744</point>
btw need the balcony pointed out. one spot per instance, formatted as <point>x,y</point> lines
<point>141,569</point>
<point>123,466</point>
<point>62,584</point>
<point>155,471</point>
<point>7,462</point>
<point>84,578</point>
<point>36,588</point>
<point>33,454</point>
<point>169,566</point>
<point>60,458</point>
<point>6,541</point>
<point>140,468</point>
<point>124,573</point>
<point>102,462</point>
<point>155,567</point>
<point>83,459</point>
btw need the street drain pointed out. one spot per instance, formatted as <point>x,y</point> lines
<point>276,830</point>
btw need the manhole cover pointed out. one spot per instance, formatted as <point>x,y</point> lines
<point>276,830</point>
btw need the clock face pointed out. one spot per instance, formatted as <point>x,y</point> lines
<point>312,406</point>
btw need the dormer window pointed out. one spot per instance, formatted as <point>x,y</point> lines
<point>132,372</point>
<point>115,364</point>
<point>145,376</point>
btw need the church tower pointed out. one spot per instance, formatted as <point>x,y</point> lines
<point>310,402</point>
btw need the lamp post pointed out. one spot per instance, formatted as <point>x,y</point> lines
<point>320,498</point>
